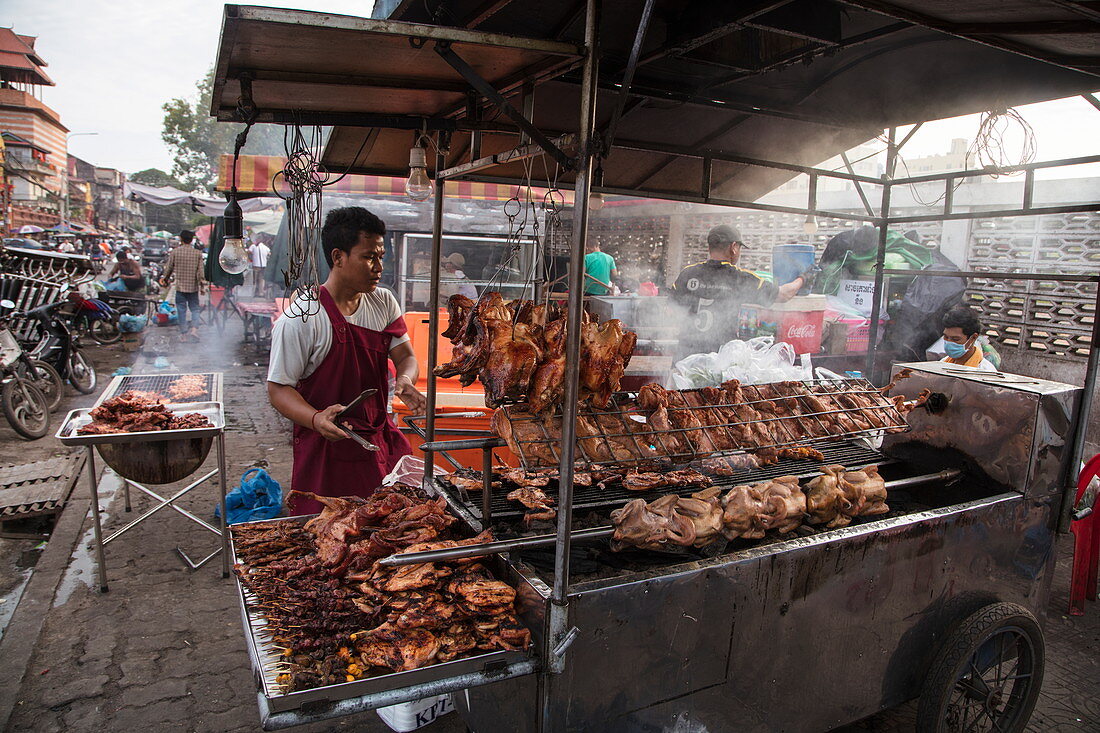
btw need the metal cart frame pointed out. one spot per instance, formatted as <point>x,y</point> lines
<point>566,609</point>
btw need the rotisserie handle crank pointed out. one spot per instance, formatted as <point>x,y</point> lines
<point>566,642</point>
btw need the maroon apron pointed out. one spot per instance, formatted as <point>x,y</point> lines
<point>358,360</point>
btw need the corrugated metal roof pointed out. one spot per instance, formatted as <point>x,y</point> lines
<point>796,81</point>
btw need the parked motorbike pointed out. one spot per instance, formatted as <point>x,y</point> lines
<point>24,404</point>
<point>60,348</point>
<point>94,317</point>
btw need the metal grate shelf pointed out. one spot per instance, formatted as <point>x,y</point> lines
<point>162,384</point>
<point>850,455</point>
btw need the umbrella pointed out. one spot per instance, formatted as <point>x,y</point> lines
<point>29,229</point>
<point>162,234</point>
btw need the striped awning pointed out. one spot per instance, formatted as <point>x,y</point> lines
<point>255,174</point>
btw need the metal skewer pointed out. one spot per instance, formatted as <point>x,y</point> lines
<point>595,533</point>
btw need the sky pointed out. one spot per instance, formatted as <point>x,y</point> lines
<point>115,63</point>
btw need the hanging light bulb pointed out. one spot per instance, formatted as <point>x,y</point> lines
<point>419,186</point>
<point>234,257</point>
<point>595,202</point>
<point>595,199</point>
<point>810,225</point>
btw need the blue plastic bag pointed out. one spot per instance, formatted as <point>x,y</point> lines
<point>169,316</point>
<point>258,497</point>
<point>131,324</point>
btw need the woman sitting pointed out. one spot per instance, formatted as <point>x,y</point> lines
<point>129,274</point>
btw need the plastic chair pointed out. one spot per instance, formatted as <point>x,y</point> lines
<point>1086,545</point>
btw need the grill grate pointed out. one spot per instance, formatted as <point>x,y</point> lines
<point>850,455</point>
<point>796,413</point>
<point>162,384</point>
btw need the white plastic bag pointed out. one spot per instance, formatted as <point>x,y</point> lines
<point>409,716</point>
<point>756,361</point>
<point>409,470</point>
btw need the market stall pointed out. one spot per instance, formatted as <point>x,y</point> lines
<point>943,558</point>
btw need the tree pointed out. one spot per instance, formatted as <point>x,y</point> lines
<point>170,218</point>
<point>197,140</point>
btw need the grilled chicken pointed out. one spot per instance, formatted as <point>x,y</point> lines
<point>865,492</point>
<point>784,505</point>
<point>535,499</point>
<point>397,649</point>
<point>825,502</point>
<point>704,511</point>
<point>605,352</point>
<point>740,507</point>
<point>548,383</point>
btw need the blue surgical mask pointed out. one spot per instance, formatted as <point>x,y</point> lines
<point>954,350</point>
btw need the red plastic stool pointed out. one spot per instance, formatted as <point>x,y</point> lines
<point>1086,545</point>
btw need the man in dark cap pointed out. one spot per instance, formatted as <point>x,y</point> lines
<point>714,290</point>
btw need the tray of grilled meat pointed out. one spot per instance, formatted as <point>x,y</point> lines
<point>656,425</point>
<point>324,622</point>
<point>133,419</point>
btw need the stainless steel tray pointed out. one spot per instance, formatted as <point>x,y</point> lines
<point>263,661</point>
<point>77,419</point>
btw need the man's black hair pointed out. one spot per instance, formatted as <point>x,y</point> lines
<point>120,256</point>
<point>342,228</point>
<point>187,236</point>
<point>963,317</point>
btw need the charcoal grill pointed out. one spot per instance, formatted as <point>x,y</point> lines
<point>157,457</point>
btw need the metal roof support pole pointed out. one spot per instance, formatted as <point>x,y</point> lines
<point>859,186</point>
<point>559,635</point>
<point>433,314</point>
<point>1081,423</point>
<point>880,260</point>
<point>628,74</point>
<point>486,90</point>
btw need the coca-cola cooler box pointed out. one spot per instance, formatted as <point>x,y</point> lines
<point>800,322</point>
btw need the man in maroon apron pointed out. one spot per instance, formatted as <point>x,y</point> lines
<point>325,352</point>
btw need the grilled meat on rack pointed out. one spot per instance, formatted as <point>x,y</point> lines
<point>187,388</point>
<point>749,512</point>
<point>540,505</point>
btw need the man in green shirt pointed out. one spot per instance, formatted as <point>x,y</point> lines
<point>598,266</point>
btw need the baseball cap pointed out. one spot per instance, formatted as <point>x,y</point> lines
<point>455,259</point>
<point>724,234</point>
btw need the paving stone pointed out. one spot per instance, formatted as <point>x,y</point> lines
<point>166,716</point>
<point>160,690</point>
<point>82,713</point>
<point>68,690</point>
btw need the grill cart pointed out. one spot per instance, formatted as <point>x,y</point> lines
<point>157,456</point>
<point>940,597</point>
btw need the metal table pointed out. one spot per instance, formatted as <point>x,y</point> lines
<point>68,435</point>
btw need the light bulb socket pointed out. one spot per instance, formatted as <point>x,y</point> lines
<point>418,157</point>
<point>233,219</point>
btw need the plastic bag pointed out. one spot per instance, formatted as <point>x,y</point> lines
<point>257,497</point>
<point>756,361</point>
<point>128,323</point>
<point>166,314</point>
<point>409,470</point>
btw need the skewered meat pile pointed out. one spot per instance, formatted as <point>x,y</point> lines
<point>770,420</point>
<point>132,413</point>
<point>748,512</point>
<point>517,350</point>
<point>337,615</point>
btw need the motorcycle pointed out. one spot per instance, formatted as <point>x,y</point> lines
<point>24,404</point>
<point>94,317</point>
<point>60,348</point>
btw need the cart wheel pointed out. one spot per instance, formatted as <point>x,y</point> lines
<point>987,675</point>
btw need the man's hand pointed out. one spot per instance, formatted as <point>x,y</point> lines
<point>323,423</point>
<point>410,395</point>
<point>788,291</point>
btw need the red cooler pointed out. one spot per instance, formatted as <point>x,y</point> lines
<point>801,322</point>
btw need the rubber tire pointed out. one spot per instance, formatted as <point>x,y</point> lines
<point>49,383</point>
<point>105,332</point>
<point>11,400</point>
<point>963,642</point>
<point>86,385</point>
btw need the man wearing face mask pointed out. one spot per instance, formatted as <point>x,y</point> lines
<point>961,329</point>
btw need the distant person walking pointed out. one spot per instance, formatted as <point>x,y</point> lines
<point>185,265</point>
<point>259,253</point>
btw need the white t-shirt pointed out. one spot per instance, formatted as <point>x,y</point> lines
<point>299,344</point>
<point>259,252</point>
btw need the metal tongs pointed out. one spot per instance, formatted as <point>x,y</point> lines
<point>363,442</point>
